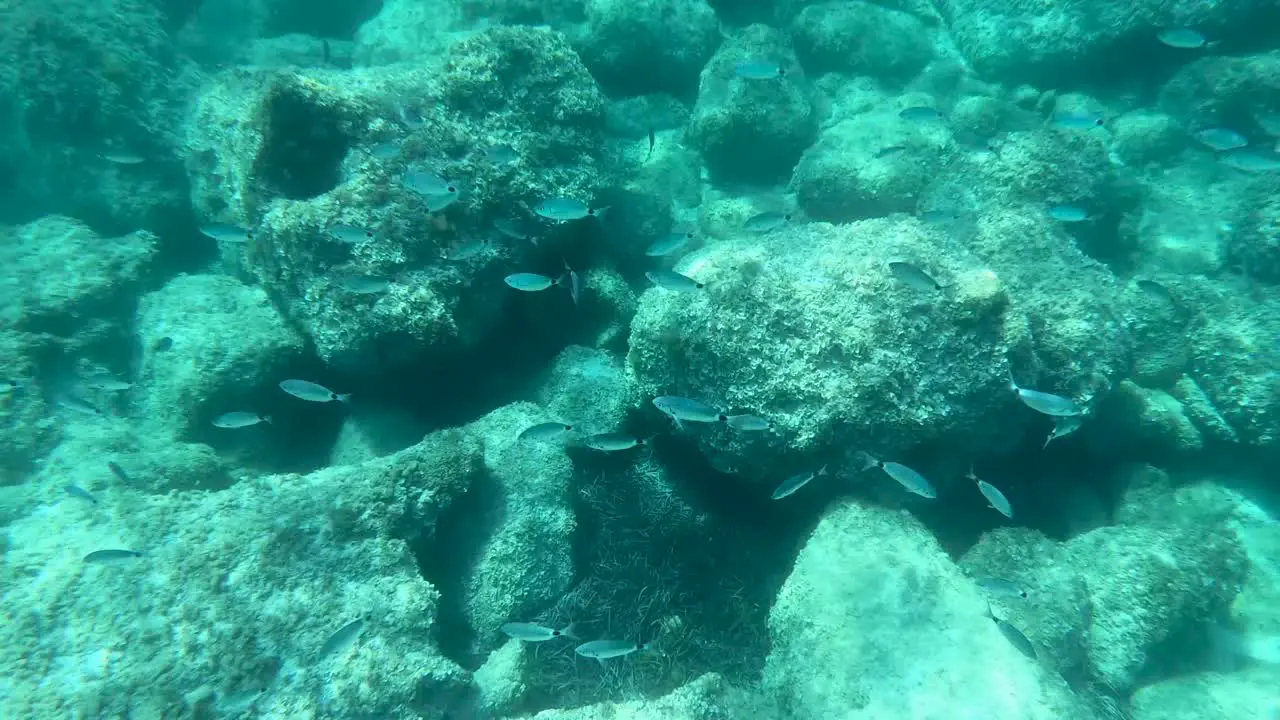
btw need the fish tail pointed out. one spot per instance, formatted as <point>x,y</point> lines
<point>344,398</point>
<point>570,631</point>
<point>868,462</point>
<point>266,419</point>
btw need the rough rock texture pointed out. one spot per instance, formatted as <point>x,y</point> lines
<point>860,38</point>
<point>840,354</point>
<point>875,621</point>
<point>587,388</point>
<point>1224,90</point>
<point>407,31</point>
<point>1144,138</point>
<point>226,346</point>
<point>26,418</point>
<point>637,48</point>
<point>707,698</point>
<point>1248,693</point>
<point>236,589</point>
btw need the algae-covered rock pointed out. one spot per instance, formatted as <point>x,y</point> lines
<point>860,38</point>
<point>1147,138</point>
<point>708,697</point>
<point>638,48</point>
<point>876,621</point>
<point>588,389</point>
<point>1247,692</point>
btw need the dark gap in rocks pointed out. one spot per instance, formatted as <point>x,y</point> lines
<point>304,144</point>
<point>337,19</point>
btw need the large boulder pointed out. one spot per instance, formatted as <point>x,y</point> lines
<point>638,48</point>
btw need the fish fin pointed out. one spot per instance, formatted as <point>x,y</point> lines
<point>867,461</point>
<point>266,419</point>
<point>570,630</point>
<point>1047,441</point>
<point>600,213</point>
<point>344,398</point>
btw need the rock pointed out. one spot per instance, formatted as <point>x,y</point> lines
<point>871,586</point>
<point>226,347</point>
<point>1223,90</point>
<point>860,38</point>
<point>707,698</point>
<point>1145,138</point>
<point>588,389</point>
<point>1244,693</point>
<point>405,31</point>
<point>639,48</point>
<point>1136,416</point>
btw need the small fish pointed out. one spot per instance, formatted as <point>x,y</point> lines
<point>759,70</point>
<point>118,472</point>
<point>1013,635</point>
<point>1220,139</point>
<point>604,649</point>
<point>566,209</point>
<point>545,431</point>
<point>680,408</point>
<point>471,249</point>
<point>240,419</point>
<point>1053,405</point>
<point>436,203</point>
<point>76,491</point>
<point>106,383</point>
<point>1182,38</point>
<point>326,53</point>
<point>349,234</point>
<point>1068,213</point>
<point>106,557</point>
<point>231,704</point>
<point>574,282</point>
<point>914,277</point>
<point>386,150</point>
<point>993,495</point>
<point>938,216</point>
<point>1154,289</point>
<point>906,477</point>
<point>513,230</point>
<point>669,244</point>
<point>1076,120</point>
<point>890,151</point>
<point>341,640</point>
<point>364,284</point>
<point>1251,161</point>
<point>411,117</point>
<point>531,282</point>
<point>164,344</point>
<point>7,386</point>
<point>920,113</point>
<point>76,403</point>
<point>672,280</point>
<point>226,232</point>
<point>611,442</point>
<point>120,157</point>
<point>1000,587</point>
<point>427,183</point>
<point>652,142</point>
<point>501,154</point>
<point>312,392</point>
<point>795,482</point>
<point>532,632</point>
<point>1063,427</point>
<point>767,221</point>
<point>748,423</point>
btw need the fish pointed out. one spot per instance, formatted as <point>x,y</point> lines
<point>226,232</point>
<point>545,431</point>
<point>436,203</point>
<point>386,150</point>
<point>1063,427</point>
<point>1076,120</point>
<point>1000,587</point>
<point>681,408</point>
<point>1182,38</point>
<point>914,277</point>
<point>532,632</point>
<point>326,53</point>
<point>604,649</point>
<point>1013,635</point>
<point>1053,405</point>
<point>672,280</point>
<point>233,703</point>
<point>531,282</point>
<point>427,183</point>
<point>920,113</point>
<point>164,344</point>
<point>940,215</point>
<point>759,70</point>
<point>748,423</point>
<point>1068,213</point>
<point>364,284</point>
<point>574,284</point>
<point>8,386</point>
<point>501,154</point>
<point>906,477</point>
<point>652,142</point>
<point>304,390</point>
<point>77,403</point>
<point>566,209</point>
<point>76,491</point>
<point>239,419</point>
<point>123,158</point>
<point>411,117</point>
<point>993,495</point>
<point>341,640</point>
<point>106,557</point>
<point>1269,123</point>
<point>349,234</point>
<point>795,482</point>
<point>510,228</point>
<point>1251,161</point>
<point>118,472</point>
<point>106,383</point>
<point>669,244</point>
<point>890,151</point>
<point>611,442</point>
<point>767,221</point>
<point>1220,139</point>
<point>1155,290</point>
<point>470,249</point>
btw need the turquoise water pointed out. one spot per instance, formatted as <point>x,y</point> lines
<point>480,359</point>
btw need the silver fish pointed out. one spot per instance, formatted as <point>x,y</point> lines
<point>1076,120</point>
<point>106,557</point>
<point>530,282</point>
<point>501,154</point>
<point>1221,139</point>
<point>7,386</point>
<point>759,70</point>
<point>914,277</point>
<point>233,703</point>
<point>1063,427</point>
<point>312,392</point>
<point>364,284</point>
<point>748,423</point>
<point>574,282</point>
<point>605,649</point>
<point>920,113</point>
<point>119,472</point>
<point>767,221</point>
<point>240,419</point>
<point>681,408</point>
<point>565,209</point>
<point>545,431</point>
<point>105,383</point>
<point>386,150</point>
<point>349,234</point>
<point>669,244</point>
<point>890,151</point>
<point>470,249</point>
<point>1068,213</point>
<point>906,477</point>
<point>341,640</point>
<point>1182,38</point>
<point>512,229</point>
<point>411,117</point>
<point>611,442</point>
<point>76,491</point>
<point>428,183</point>
<point>1013,635</point>
<point>1251,161</point>
<point>1000,587</point>
<point>123,158</point>
<point>226,232</point>
<point>1155,290</point>
<point>532,632</point>
<point>938,216</point>
<point>672,280</point>
<point>795,482</point>
<point>77,403</point>
<point>436,203</point>
<point>993,495</point>
<point>1053,405</point>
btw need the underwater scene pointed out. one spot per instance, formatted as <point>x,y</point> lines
<point>640,359</point>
